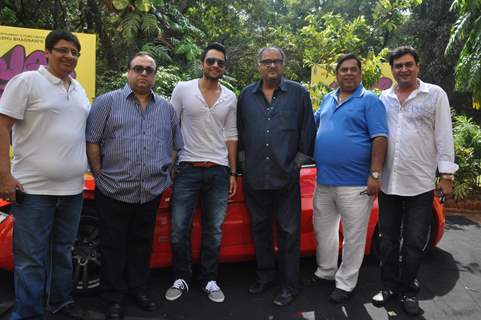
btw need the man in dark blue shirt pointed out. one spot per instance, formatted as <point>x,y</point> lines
<point>276,135</point>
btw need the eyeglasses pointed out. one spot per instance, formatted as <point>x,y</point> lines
<point>212,61</point>
<point>399,66</point>
<point>141,69</point>
<point>269,62</point>
<point>64,51</point>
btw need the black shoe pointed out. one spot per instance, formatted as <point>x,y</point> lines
<point>283,298</point>
<point>114,312</point>
<point>382,297</point>
<point>315,281</point>
<point>71,311</point>
<point>339,296</point>
<point>411,305</point>
<point>144,301</point>
<point>260,287</point>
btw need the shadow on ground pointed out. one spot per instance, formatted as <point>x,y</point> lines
<point>450,280</point>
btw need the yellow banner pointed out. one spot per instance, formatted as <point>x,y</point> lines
<point>320,75</point>
<point>22,49</point>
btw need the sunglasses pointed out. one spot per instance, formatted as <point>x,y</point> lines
<point>140,69</point>
<point>64,51</point>
<point>212,61</point>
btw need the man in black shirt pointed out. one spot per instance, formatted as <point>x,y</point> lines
<point>276,135</point>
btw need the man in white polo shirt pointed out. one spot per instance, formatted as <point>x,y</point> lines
<point>206,170</point>
<point>47,112</point>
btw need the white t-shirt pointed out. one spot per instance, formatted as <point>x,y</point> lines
<point>205,130</point>
<point>48,135</point>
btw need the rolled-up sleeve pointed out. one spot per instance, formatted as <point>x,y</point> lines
<point>443,135</point>
<point>230,127</point>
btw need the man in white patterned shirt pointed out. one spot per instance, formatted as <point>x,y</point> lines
<point>206,171</point>
<point>420,141</point>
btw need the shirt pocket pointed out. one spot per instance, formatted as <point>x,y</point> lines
<point>288,119</point>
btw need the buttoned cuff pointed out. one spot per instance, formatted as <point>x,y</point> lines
<point>302,159</point>
<point>447,167</point>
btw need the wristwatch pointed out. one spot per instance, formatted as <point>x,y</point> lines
<point>376,175</point>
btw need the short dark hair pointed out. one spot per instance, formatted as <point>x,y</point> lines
<point>262,50</point>
<point>56,35</point>
<point>348,56</point>
<point>213,46</point>
<point>141,54</point>
<point>401,51</point>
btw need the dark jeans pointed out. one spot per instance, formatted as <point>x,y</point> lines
<point>285,206</point>
<point>211,185</point>
<point>408,218</point>
<point>126,232</point>
<point>43,237</point>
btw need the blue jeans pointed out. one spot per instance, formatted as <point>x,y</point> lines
<point>211,185</point>
<point>43,237</point>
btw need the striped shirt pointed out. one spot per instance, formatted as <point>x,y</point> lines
<point>135,146</point>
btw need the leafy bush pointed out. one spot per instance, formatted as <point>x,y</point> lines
<point>467,142</point>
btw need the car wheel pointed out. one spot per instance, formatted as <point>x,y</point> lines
<point>86,257</point>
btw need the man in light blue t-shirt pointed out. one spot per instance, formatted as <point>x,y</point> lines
<point>349,153</point>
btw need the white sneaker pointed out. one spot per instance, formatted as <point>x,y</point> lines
<point>177,289</point>
<point>214,292</point>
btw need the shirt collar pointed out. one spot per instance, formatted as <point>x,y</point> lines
<point>127,92</point>
<point>282,85</point>
<point>423,87</point>
<point>359,92</point>
<point>53,79</point>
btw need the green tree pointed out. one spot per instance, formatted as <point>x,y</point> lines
<point>467,30</point>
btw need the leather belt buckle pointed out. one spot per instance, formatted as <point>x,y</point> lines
<point>203,164</point>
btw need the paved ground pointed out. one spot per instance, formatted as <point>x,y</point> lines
<point>450,279</point>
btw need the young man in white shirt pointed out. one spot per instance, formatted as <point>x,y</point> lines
<point>206,171</point>
<point>420,141</point>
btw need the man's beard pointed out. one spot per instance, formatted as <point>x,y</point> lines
<point>209,77</point>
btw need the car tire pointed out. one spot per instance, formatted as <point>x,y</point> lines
<point>86,256</point>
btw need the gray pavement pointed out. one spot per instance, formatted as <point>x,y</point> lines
<point>450,289</point>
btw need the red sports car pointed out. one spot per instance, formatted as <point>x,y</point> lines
<point>236,242</point>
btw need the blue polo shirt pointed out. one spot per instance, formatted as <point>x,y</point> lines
<point>344,137</point>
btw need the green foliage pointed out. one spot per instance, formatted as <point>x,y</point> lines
<point>467,30</point>
<point>317,91</point>
<point>467,141</point>
<point>165,80</point>
<point>389,14</point>
<point>328,36</point>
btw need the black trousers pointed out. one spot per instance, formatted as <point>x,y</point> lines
<point>412,216</point>
<point>285,206</point>
<point>126,232</point>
